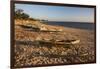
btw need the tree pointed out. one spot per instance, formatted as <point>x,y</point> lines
<point>19,14</point>
<point>19,11</point>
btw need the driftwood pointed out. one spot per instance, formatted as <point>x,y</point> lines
<point>61,42</point>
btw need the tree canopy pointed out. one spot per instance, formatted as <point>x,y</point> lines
<point>19,13</point>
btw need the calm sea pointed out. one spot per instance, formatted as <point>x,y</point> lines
<point>79,25</point>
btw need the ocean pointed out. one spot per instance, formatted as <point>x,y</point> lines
<point>79,25</point>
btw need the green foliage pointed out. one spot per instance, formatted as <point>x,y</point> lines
<point>19,14</point>
<point>24,16</point>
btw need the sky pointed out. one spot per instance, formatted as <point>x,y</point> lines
<point>58,13</point>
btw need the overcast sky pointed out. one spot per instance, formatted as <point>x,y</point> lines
<point>58,13</point>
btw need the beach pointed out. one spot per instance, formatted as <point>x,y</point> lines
<point>28,52</point>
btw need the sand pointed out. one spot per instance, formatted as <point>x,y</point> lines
<point>30,53</point>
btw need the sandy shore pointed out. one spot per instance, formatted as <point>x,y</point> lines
<point>28,52</point>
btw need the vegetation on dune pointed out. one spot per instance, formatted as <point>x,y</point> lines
<point>20,14</point>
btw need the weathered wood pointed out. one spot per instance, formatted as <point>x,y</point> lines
<point>62,42</point>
